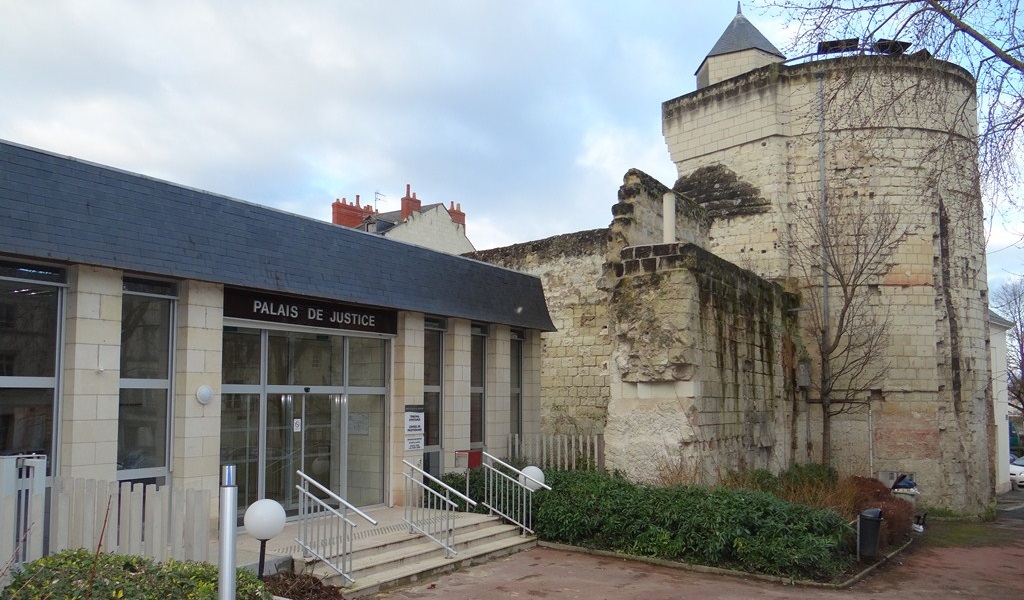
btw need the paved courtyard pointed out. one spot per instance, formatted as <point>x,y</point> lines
<point>993,570</point>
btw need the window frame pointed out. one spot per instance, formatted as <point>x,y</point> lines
<point>56,278</point>
<point>160,290</point>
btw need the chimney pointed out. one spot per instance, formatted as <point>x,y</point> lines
<point>455,210</point>
<point>349,215</point>
<point>409,203</point>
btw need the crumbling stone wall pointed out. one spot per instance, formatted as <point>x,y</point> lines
<point>701,370</point>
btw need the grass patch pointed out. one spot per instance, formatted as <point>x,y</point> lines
<point>967,534</point>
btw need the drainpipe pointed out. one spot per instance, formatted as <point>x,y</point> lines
<point>826,363</point>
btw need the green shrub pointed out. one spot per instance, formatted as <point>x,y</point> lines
<point>457,480</point>
<point>742,529</point>
<point>86,574</point>
<point>477,482</point>
<point>758,480</point>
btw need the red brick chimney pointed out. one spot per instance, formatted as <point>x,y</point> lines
<point>409,203</point>
<point>455,210</point>
<point>349,215</point>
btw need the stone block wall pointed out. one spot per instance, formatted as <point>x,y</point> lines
<point>575,270</point>
<point>897,132</point>
<point>573,361</point>
<point>701,374</point>
<point>725,66</point>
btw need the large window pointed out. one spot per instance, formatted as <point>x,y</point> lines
<point>477,366</point>
<point>515,368</point>
<point>147,342</point>
<point>30,318</point>
<point>433,375</point>
<point>304,401</point>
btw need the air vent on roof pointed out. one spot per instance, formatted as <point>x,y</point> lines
<point>890,46</point>
<point>832,46</point>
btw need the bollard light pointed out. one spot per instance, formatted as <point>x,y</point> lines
<point>263,520</point>
<point>536,478</point>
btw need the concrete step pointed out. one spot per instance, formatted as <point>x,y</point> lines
<point>392,556</point>
<point>387,558</point>
<point>430,565</point>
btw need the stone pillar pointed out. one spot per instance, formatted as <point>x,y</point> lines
<point>92,367</point>
<point>497,391</point>
<point>455,422</point>
<point>407,390</point>
<point>195,451</point>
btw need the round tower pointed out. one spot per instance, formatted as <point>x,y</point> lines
<point>859,136</point>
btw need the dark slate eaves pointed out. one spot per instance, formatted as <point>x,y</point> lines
<point>62,209</point>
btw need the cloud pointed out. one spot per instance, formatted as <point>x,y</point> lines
<point>526,113</point>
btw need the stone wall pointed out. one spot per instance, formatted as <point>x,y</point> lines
<point>701,369</point>
<point>897,133</point>
<point>574,358</point>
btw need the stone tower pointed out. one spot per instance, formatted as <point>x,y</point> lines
<point>880,131</point>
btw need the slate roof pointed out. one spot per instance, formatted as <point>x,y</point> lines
<point>741,35</point>
<point>385,221</point>
<point>998,320</point>
<point>57,208</point>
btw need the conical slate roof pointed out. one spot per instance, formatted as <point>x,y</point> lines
<point>742,35</point>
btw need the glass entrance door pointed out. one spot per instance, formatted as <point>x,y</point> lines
<point>295,401</point>
<point>304,433</point>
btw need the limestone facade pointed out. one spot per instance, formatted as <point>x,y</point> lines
<point>682,359</point>
<point>898,133</point>
<point>690,373</point>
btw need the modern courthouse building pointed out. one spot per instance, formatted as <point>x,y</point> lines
<point>153,332</point>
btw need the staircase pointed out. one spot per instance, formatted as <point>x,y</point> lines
<point>388,555</point>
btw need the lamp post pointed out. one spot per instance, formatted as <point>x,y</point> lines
<point>263,520</point>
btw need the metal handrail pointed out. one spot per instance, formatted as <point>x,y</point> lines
<point>325,532</point>
<point>508,495</point>
<point>430,512</point>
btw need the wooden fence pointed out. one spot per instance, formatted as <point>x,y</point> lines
<point>558,451</point>
<point>121,518</point>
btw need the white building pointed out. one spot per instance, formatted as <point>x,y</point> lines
<point>152,332</point>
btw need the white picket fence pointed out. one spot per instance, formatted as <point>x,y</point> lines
<point>153,521</point>
<point>558,451</point>
<point>147,520</point>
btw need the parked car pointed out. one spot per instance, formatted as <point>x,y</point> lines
<point>1013,457</point>
<point>1017,473</point>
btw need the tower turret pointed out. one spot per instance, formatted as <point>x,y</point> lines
<point>741,48</point>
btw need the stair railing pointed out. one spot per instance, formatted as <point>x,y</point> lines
<point>325,531</point>
<point>509,492</point>
<point>430,510</point>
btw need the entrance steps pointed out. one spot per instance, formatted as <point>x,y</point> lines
<point>388,555</point>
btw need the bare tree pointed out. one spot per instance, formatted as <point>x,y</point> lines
<point>984,37</point>
<point>846,249</point>
<point>1008,300</point>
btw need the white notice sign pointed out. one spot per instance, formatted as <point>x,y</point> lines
<point>414,442</point>
<point>414,422</point>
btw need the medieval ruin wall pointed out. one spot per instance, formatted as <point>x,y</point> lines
<point>700,374</point>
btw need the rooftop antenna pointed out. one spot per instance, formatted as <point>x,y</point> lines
<point>377,196</point>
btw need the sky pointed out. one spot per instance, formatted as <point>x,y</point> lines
<point>527,113</point>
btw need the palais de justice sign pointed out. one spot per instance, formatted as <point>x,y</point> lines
<point>259,306</point>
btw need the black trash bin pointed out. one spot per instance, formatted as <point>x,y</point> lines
<point>869,526</point>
